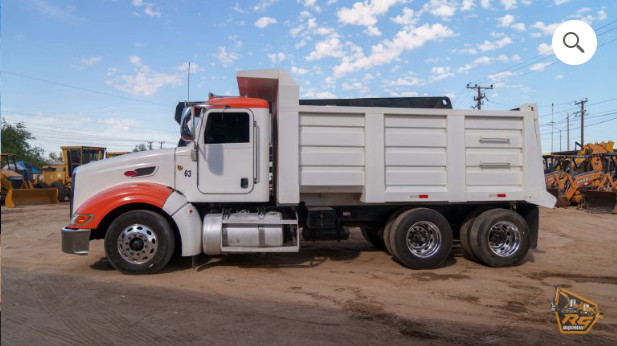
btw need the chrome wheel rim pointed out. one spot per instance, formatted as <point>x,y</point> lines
<point>137,244</point>
<point>423,239</point>
<point>504,239</point>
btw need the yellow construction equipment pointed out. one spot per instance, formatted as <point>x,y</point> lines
<point>17,191</point>
<point>59,176</point>
<point>587,178</point>
<point>115,153</point>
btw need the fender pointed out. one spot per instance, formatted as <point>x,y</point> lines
<point>101,204</point>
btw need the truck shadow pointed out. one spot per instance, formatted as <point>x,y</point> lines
<point>310,256</point>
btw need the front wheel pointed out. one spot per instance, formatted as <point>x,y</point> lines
<point>421,238</point>
<point>139,242</point>
<point>499,237</point>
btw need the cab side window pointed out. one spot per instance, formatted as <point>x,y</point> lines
<point>227,128</point>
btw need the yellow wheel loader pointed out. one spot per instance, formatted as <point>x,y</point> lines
<point>59,176</point>
<point>18,191</point>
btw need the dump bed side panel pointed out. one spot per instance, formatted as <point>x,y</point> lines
<point>420,155</point>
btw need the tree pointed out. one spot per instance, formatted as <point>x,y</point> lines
<point>15,139</point>
<point>140,147</point>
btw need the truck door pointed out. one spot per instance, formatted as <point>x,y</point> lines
<point>226,152</point>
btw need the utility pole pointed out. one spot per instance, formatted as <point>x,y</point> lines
<point>161,143</point>
<point>552,124</point>
<point>582,103</point>
<point>568,130</point>
<point>481,95</point>
<point>150,144</point>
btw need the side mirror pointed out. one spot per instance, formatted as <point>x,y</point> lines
<point>186,125</point>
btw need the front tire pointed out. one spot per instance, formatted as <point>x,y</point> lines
<point>139,242</point>
<point>500,238</point>
<point>421,238</point>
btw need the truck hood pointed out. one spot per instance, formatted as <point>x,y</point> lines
<point>98,176</point>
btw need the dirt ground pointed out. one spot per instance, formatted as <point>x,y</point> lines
<point>329,293</point>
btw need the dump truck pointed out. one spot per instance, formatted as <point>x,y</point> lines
<point>59,175</point>
<point>17,189</point>
<point>415,180</point>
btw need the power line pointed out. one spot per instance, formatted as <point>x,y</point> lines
<point>84,121</point>
<point>84,89</point>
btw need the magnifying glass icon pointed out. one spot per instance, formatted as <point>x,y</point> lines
<point>573,45</point>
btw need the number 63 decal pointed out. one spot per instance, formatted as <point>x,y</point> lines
<point>187,173</point>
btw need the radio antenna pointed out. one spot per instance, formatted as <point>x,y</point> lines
<point>188,84</point>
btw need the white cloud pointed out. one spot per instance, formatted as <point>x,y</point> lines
<point>184,68</point>
<point>406,81</point>
<point>263,22</point>
<point>519,26</point>
<point>559,76</point>
<point>483,60</point>
<point>561,2</point>
<point>319,94</point>
<point>500,76</point>
<point>466,68</point>
<point>143,82</point>
<point>298,70</point>
<point>545,49</point>
<point>277,57</point>
<point>364,13</point>
<point>441,72</point>
<point>263,4</point>
<point>148,8</point>
<point>372,31</point>
<point>468,5</point>
<point>312,4</point>
<point>91,60</point>
<point>547,30</point>
<point>135,60</point>
<point>226,57</point>
<point>540,66</point>
<point>503,58</point>
<point>409,17</point>
<point>508,4</point>
<point>441,8</point>
<point>506,20</point>
<point>239,9</point>
<point>328,48</point>
<point>584,15</point>
<point>387,50</point>
<point>485,3</point>
<point>120,124</point>
<point>495,45</point>
<point>516,57</point>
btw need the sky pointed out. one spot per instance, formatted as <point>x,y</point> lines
<point>110,73</point>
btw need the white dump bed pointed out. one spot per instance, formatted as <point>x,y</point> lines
<point>386,155</point>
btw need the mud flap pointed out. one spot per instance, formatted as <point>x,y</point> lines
<point>24,197</point>
<point>601,202</point>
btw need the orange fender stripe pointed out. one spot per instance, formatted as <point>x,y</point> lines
<point>103,203</point>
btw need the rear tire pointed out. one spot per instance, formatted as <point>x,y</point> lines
<point>500,238</point>
<point>61,190</point>
<point>421,238</point>
<point>41,185</point>
<point>388,230</point>
<point>465,234</point>
<point>372,236</point>
<point>139,242</point>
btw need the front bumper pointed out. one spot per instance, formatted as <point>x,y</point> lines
<point>75,241</point>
